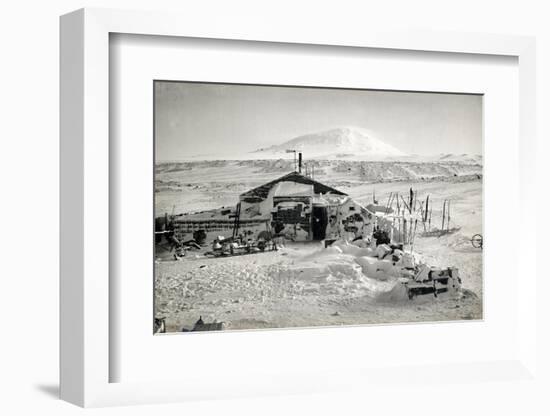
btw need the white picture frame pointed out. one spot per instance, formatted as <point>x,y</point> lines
<point>85,210</point>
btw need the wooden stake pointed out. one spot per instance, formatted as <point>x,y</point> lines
<point>405,203</point>
<point>390,203</point>
<point>427,206</point>
<point>411,232</point>
<point>387,203</point>
<point>448,214</point>
<point>443,216</point>
<point>398,205</point>
<point>423,215</point>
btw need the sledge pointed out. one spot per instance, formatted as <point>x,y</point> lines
<point>439,233</point>
<point>436,282</point>
<point>234,247</point>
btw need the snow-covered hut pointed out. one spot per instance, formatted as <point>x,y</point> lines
<point>305,209</point>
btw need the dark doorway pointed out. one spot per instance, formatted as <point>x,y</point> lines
<point>319,222</point>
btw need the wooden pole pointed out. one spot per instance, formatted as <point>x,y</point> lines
<point>423,215</point>
<point>427,206</point>
<point>405,203</point>
<point>411,232</point>
<point>443,216</point>
<point>388,202</point>
<point>448,214</point>
<point>398,204</point>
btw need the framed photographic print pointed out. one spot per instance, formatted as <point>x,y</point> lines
<point>268,212</point>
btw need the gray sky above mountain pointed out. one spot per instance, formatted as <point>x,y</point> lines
<point>195,118</point>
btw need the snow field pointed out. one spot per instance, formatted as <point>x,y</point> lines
<point>268,290</point>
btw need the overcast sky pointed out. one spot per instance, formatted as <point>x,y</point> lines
<point>220,119</point>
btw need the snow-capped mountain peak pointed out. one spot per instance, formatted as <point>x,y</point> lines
<point>338,143</point>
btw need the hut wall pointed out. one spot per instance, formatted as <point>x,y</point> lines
<point>349,220</point>
<point>260,209</point>
<point>294,214</point>
<point>183,229</point>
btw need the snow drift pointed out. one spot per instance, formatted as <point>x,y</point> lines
<point>345,268</point>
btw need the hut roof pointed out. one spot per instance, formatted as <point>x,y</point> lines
<point>290,188</point>
<point>259,193</point>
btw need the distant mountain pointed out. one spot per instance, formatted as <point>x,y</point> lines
<point>339,144</point>
<point>462,158</point>
<point>343,143</point>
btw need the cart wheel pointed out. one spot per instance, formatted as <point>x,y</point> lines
<point>477,241</point>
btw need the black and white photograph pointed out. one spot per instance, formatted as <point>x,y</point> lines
<point>296,206</point>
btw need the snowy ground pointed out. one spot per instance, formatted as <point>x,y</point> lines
<point>279,289</point>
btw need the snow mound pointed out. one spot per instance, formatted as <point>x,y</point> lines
<point>345,268</point>
<point>343,143</point>
<point>397,293</point>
